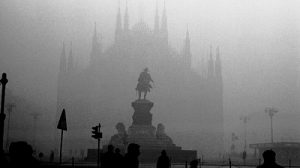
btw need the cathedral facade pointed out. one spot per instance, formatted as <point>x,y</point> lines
<point>189,103</point>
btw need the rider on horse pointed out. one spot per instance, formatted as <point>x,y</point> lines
<point>144,83</point>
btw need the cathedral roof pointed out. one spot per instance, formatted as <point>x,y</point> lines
<point>141,27</point>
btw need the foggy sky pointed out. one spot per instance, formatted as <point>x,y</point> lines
<point>259,42</point>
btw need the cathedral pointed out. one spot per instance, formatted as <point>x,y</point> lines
<point>189,103</point>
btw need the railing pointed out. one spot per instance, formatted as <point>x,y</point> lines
<point>202,164</point>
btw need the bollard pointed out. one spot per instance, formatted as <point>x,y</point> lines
<point>73,162</point>
<point>229,163</point>
<point>290,163</point>
<point>186,164</point>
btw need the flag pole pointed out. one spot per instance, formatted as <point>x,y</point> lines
<point>61,141</point>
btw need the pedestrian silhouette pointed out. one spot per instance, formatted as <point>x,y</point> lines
<point>108,158</point>
<point>194,164</point>
<point>3,159</point>
<point>51,159</point>
<point>131,157</point>
<point>119,159</point>
<point>21,155</point>
<point>163,160</point>
<point>269,160</point>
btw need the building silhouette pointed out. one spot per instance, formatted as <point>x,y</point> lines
<point>102,92</point>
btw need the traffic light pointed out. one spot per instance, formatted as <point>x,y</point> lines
<point>96,132</point>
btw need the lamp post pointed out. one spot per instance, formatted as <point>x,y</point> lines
<point>271,111</point>
<point>245,119</point>
<point>35,116</point>
<point>9,108</point>
<point>3,81</point>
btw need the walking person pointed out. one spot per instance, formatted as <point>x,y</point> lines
<point>163,160</point>
<point>269,160</point>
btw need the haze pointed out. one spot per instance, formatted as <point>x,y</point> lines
<point>258,40</point>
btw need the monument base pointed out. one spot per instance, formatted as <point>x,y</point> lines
<point>151,155</point>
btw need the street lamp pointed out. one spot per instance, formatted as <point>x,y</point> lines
<point>245,119</point>
<point>35,116</point>
<point>3,81</point>
<point>271,112</point>
<point>9,108</point>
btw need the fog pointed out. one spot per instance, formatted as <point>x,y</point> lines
<point>259,49</point>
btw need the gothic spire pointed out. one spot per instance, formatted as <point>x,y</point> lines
<point>210,64</point>
<point>164,25</point>
<point>96,48</point>
<point>118,25</point>
<point>156,19</point>
<point>63,61</point>
<point>187,49</point>
<point>70,60</point>
<point>218,64</point>
<point>126,19</point>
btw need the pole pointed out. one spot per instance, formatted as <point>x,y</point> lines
<point>271,128</point>
<point>98,154</point>
<point>9,110</point>
<point>98,150</point>
<point>7,134</point>
<point>61,141</point>
<point>2,115</point>
<point>271,112</point>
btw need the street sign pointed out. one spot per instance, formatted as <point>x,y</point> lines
<point>62,123</point>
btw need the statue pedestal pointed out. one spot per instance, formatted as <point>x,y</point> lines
<point>151,140</point>
<point>142,131</point>
<point>142,115</point>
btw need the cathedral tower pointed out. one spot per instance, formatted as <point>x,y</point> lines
<point>96,48</point>
<point>211,66</point>
<point>126,19</point>
<point>187,56</point>
<point>164,26</point>
<point>70,67</point>
<point>156,20</point>
<point>118,31</point>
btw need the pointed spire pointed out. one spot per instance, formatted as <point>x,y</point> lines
<point>96,48</point>
<point>187,49</point>
<point>210,52</point>
<point>187,35</point>
<point>156,19</point>
<point>95,37</point>
<point>95,32</point>
<point>126,18</point>
<point>164,24</point>
<point>118,25</point>
<point>218,63</point>
<point>63,61</point>
<point>211,67</point>
<point>70,60</point>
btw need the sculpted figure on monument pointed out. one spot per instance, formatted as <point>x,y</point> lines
<point>119,139</point>
<point>144,83</point>
<point>161,136</point>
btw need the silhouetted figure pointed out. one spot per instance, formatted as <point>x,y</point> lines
<point>131,157</point>
<point>21,155</point>
<point>51,159</point>
<point>41,155</point>
<point>108,158</point>
<point>144,83</point>
<point>3,159</point>
<point>194,164</point>
<point>163,160</point>
<point>269,160</point>
<point>119,159</point>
